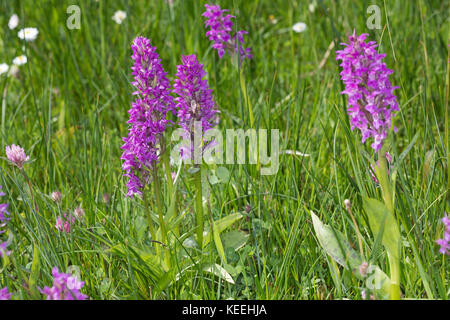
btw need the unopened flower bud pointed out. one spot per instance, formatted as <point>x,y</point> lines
<point>363,268</point>
<point>78,212</point>
<point>56,196</point>
<point>106,198</point>
<point>347,204</point>
<point>363,295</point>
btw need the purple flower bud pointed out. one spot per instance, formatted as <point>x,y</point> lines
<point>370,93</point>
<point>79,213</point>
<point>363,268</point>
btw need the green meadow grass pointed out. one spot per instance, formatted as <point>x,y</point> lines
<point>69,106</point>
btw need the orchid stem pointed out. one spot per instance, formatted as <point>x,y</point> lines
<point>149,217</point>
<point>386,190</point>
<point>160,206</point>
<point>166,162</point>
<point>199,206</point>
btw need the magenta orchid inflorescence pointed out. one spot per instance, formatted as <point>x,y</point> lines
<point>445,242</point>
<point>3,250</point>
<point>195,101</point>
<point>4,214</point>
<point>65,222</point>
<point>4,218</point>
<point>147,115</point>
<point>65,287</point>
<point>4,294</point>
<point>220,27</point>
<point>370,93</point>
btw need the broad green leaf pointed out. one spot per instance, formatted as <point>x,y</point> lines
<point>34,275</point>
<point>378,281</point>
<point>235,239</point>
<point>190,243</point>
<point>334,243</point>
<point>166,280</point>
<point>382,220</point>
<point>223,174</point>
<point>218,242</point>
<point>335,274</point>
<point>221,225</point>
<point>213,179</point>
<point>148,260</point>
<point>219,272</point>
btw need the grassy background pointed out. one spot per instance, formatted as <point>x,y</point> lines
<point>68,109</point>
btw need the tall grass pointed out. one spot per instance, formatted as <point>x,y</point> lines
<point>68,109</point>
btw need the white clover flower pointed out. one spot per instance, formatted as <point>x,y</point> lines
<point>119,16</point>
<point>20,60</point>
<point>13,21</point>
<point>299,27</point>
<point>3,68</point>
<point>28,34</point>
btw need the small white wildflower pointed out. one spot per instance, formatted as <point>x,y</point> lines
<point>13,21</point>
<point>20,60</point>
<point>299,27</point>
<point>273,20</point>
<point>312,7</point>
<point>119,16</point>
<point>3,68</point>
<point>28,34</point>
